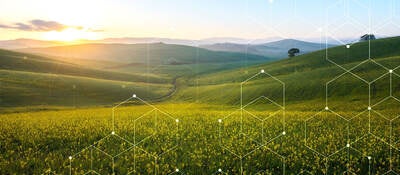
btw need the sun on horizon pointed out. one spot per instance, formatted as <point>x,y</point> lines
<point>71,34</point>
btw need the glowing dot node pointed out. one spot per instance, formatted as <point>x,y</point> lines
<point>390,71</point>
<point>369,108</point>
<point>347,46</point>
<point>220,170</point>
<point>70,157</point>
<point>369,157</point>
<point>134,95</point>
<point>347,145</point>
<point>284,133</point>
<point>176,120</point>
<point>113,132</point>
<point>219,120</point>
<point>327,108</point>
<point>177,170</point>
<point>262,71</point>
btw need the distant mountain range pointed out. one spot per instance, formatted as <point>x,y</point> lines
<point>31,43</point>
<point>152,53</point>
<point>276,49</point>
<point>27,43</point>
<point>206,41</point>
<point>216,43</point>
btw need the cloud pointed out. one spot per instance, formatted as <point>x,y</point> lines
<point>39,25</point>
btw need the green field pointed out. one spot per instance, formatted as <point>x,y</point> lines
<point>39,142</point>
<point>207,118</point>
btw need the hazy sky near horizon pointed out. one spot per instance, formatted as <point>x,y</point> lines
<point>197,19</point>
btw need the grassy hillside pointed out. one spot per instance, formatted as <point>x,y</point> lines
<point>305,76</point>
<point>20,89</point>
<point>10,60</point>
<point>30,81</point>
<point>383,48</point>
<point>48,81</point>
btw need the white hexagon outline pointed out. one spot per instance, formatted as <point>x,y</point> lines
<point>241,118</point>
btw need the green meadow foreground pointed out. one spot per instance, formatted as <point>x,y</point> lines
<point>198,142</point>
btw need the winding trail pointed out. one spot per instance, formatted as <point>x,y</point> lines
<point>170,93</point>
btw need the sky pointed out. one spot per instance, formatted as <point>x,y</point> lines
<point>197,19</point>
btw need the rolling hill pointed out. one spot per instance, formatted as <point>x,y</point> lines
<point>216,81</point>
<point>305,77</point>
<point>166,59</point>
<point>276,49</point>
<point>154,53</point>
<point>99,74</point>
<point>17,61</point>
<point>43,90</point>
<point>29,80</point>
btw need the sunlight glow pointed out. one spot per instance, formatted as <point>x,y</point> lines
<point>71,34</point>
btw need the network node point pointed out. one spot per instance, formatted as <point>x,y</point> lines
<point>327,108</point>
<point>220,120</point>
<point>390,71</point>
<point>348,145</point>
<point>220,170</point>
<point>177,120</point>
<point>369,157</point>
<point>369,108</point>
<point>262,71</point>
<point>283,133</point>
<point>113,132</point>
<point>70,157</point>
<point>347,46</point>
<point>177,170</point>
<point>134,95</point>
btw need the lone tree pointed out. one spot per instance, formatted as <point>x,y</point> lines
<point>367,37</point>
<point>292,52</point>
